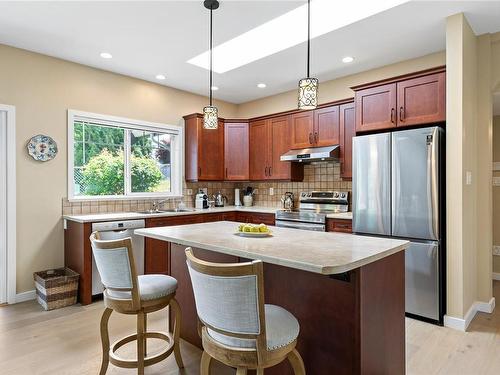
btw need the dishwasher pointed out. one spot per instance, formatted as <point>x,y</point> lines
<point>116,230</point>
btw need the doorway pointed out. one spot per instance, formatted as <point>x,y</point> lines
<point>7,205</point>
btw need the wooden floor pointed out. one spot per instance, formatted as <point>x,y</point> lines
<point>66,341</point>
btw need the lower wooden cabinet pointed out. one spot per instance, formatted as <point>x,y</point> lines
<point>255,218</point>
<point>339,225</point>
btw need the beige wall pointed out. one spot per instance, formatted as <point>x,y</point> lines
<point>42,89</point>
<point>339,88</point>
<point>496,193</point>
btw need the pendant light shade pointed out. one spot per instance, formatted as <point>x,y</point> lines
<point>308,93</point>
<point>210,113</point>
<point>308,87</point>
<point>210,117</point>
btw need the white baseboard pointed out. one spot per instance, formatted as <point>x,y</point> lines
<point>26,296</point>
<point>496,275</point>
<point>463,324</point>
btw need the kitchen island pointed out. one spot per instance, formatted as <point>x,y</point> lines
<point>347,291</point>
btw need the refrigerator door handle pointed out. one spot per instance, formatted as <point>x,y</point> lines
<point>432,178</point>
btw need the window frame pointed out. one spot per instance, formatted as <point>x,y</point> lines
<point>176,155</point>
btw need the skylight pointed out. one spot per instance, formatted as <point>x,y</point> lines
<point>288,30</point>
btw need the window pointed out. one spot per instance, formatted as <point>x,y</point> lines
<point>111,157</point>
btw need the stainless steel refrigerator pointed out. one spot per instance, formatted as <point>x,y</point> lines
<point>397,192</point>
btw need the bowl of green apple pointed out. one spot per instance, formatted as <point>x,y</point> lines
<point>253,230</point>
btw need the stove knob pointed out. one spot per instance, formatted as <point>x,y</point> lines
<point>335,195</point>
<point>343,195</point>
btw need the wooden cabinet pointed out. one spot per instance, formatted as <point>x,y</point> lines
<point>204,150</point>
<point>302,130</point>
<point>315,128</point>
<point>422,100</point>
<point>255,218</point>
<point>376,108</point>
<point>411,100</point>
<point>236,151</point>
<point>347,132</point>
<point>326,126</point>
<point>269,139</point>
<point>339,225</point>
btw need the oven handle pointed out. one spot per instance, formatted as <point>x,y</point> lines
<point>299,225</point>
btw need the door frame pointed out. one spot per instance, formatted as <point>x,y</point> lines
<point>8,267</point>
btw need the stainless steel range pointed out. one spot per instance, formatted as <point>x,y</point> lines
<point>313,208</point>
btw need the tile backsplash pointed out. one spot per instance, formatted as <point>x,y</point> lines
<point>317,176</point>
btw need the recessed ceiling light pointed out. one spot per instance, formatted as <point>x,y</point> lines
<point>160,77</point>
<point>214,88</point>
<point>269,38</point>
<point>261,85</point>
<point>106,55</point>
<point>348,59</point>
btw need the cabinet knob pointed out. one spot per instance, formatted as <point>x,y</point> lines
<point>310,138</point>
<point>270,174</point>
<point>265,171</point>
<point>316,137</point>
<point>401,114</point>
<point>392,115</point>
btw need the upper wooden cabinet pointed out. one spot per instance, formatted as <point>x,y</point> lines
<point>402,101</point>
<point>204,150</point>
<point>376,108</point>
<point>236,151</point>
<point>326,126</point>
<point>269,139</point>
<point>422,100</point>
<point>315,128</point>
<point>347,132</point>
<point>302,130</point>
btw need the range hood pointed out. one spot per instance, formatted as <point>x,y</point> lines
<point>312,154</point>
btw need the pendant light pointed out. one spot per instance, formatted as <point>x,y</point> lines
<point>210,116</point>
<point>308,87</point>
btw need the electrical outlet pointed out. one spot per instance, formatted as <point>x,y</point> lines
<point>256,191</point>
<point>496,250</point>
<point>496,181</point>
<point>189,191</point>
<point>205,190</point>
<point>271,191</point>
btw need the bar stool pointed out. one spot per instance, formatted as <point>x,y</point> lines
<point>236,327</point>
<point>127,293</point>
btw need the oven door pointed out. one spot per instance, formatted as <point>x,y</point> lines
<point>300,225</point>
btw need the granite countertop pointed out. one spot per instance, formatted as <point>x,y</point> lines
<point>93,218</point>
<point>320,252</point>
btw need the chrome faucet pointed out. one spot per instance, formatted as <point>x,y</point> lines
<point>156,205</point>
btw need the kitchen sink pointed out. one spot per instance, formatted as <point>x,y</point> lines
<point>169,210</point>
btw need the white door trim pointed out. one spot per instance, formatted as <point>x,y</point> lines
<point>10,270</point>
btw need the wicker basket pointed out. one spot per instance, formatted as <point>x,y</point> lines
<point>56,288</point>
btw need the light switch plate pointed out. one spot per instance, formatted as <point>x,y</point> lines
<point>496,250</point>
<point>468,178</point>
<point>189,191</point>
<point>496,181</point>
<point>271,191</point>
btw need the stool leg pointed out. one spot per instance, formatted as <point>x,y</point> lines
<point>105,340</point>
<point>140,343</point>
<point>145,338</point>
<point>205,364</point>
<point>296,361</point>
<point>260,371</point>
<point>177,331</point>
<point>241,371</point>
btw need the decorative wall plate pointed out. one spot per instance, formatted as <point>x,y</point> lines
<point>42,147</point>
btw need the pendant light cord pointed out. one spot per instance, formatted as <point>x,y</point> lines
<point>308,35</point>
<point>210,86</point>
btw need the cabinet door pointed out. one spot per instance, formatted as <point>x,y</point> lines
<point>347,131</point>
<point>211,153</point>
<point>259,150</point>
<point>236,151</point>
<point>376,108</point>
<point>339,225</point>
<point>422,100</point>
<point>156,256</point>
<point>302,130</point>
<point>279,129</point>
<point>326,126</point>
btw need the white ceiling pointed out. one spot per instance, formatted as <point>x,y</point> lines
<point>150,38</point>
